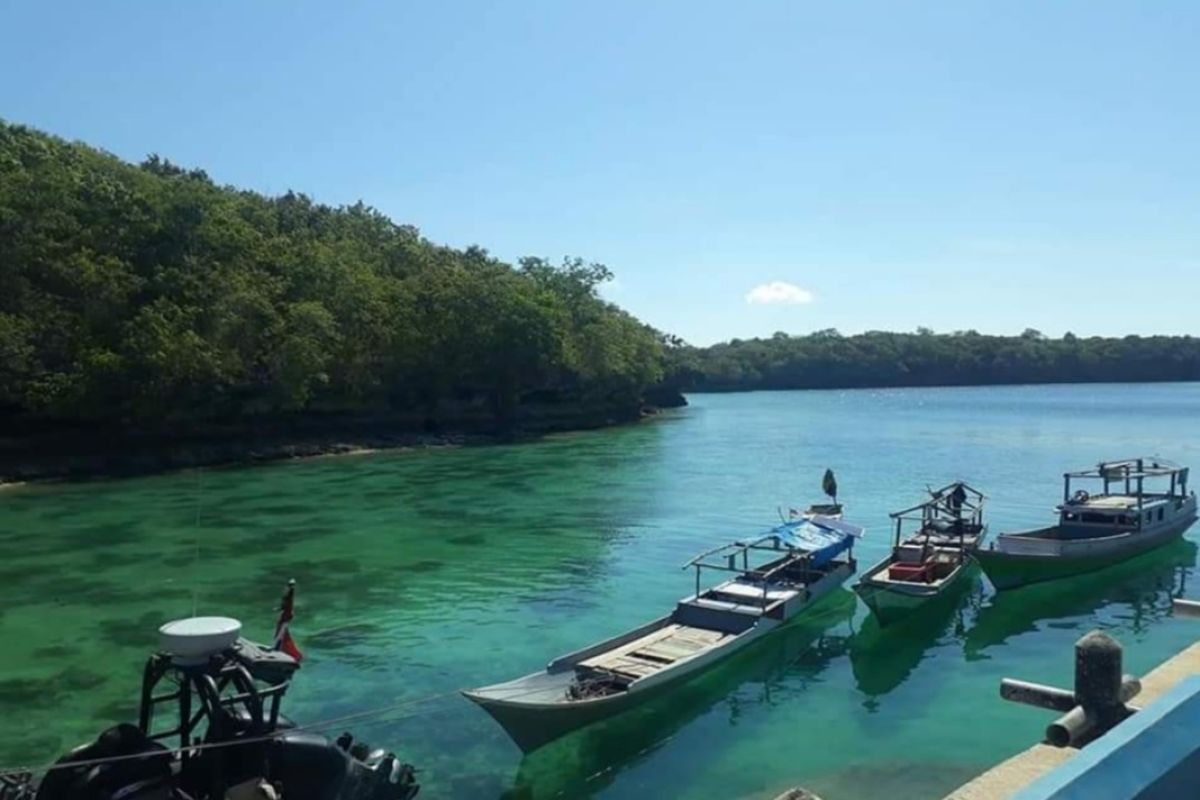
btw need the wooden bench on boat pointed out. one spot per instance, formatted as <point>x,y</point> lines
<point>656,650</point>
<point>755,594</point>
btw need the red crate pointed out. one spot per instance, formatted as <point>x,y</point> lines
<point>911,573</point>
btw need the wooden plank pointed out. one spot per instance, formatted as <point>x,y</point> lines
<point>667,650</point>
<point>699,634</point>
<point>675,643</point>
<point>637,644</point>
<point>630,666</point>
<point>688,646</point>
<point>669,644</point>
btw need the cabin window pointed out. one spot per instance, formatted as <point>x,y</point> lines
<point>1071,517</point>
<point>1097,519</point>
<point>1149,516</point>
<point>1160,515</point>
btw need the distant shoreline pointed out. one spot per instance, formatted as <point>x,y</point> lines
<point>882,359</point>
<point>973,385</point>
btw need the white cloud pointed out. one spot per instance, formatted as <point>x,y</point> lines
<point>778,293</point>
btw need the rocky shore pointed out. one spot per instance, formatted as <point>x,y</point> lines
<point>77,452</point>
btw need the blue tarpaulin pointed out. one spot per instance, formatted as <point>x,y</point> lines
<point>824,537</point>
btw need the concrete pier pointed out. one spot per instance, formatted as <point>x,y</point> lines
<point>1011,776</point>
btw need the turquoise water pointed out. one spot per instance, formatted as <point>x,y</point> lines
<point>423,572</point>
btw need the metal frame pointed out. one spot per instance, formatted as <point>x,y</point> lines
<point>732,551</point>
<point>940,506</point>
<point>1133,472</point>
<point>208,686</point>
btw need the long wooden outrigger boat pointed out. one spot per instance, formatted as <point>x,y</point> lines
<point>930,563</point>
<point>1094,531</point>
<point>806,559</point>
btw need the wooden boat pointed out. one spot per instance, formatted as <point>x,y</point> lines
<point>1095,531</point>
<point>806,559</point>
<point>931,563</point>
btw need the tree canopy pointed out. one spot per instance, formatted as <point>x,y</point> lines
<point>827,359</point>
<point>147,295</point>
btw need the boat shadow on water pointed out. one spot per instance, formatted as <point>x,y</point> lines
<point>586,761</point>
<point>1146,584</point>
<point>882,657</point>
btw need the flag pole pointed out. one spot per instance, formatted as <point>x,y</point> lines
<point>283,635</point>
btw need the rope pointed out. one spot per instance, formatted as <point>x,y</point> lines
<point>14,772</point>
<point>313,726</point>
<point>18,772</point>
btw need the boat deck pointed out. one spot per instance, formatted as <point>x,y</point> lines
<point>1108,502</point>
<point>754,594</point>
<point>656,650</point>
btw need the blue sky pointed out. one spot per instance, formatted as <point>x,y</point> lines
<point>858,165</point>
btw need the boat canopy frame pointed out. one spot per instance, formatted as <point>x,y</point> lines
<point>957,502</point>
<point>771,542</point>
<point>1133,473</point>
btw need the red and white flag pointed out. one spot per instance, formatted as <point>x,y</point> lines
<point>283,636</point>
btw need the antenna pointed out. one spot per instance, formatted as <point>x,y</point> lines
<point>196,529</point>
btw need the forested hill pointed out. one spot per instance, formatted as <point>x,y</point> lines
<point>147,296</point>
<point>829,360</point>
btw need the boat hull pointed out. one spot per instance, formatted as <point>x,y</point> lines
<point>1008,570</point>
<point>891,602</point>
<point>532,724</point>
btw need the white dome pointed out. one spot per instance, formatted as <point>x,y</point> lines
<point>194,639</point>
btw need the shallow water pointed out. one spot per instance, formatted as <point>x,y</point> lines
<point>421,573</point>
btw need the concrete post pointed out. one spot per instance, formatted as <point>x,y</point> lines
<point>1098,659</point>
<point>1100,690</point>
<point>1098,701</point>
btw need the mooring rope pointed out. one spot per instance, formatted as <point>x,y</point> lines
<point>16,772</point>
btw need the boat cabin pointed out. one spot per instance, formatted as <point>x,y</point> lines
<point>1124,502</point>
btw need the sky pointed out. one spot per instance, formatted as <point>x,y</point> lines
<point>742,168</point>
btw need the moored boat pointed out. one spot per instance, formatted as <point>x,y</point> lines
<point>806,558</point>
<point>226,737</point>
<point>1126,518</point>
<point>930,563</point>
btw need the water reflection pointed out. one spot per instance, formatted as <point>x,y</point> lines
<point>768,673</point>
<point>1145,584</point>
<point>413,571</point>
<point>883,657</point>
